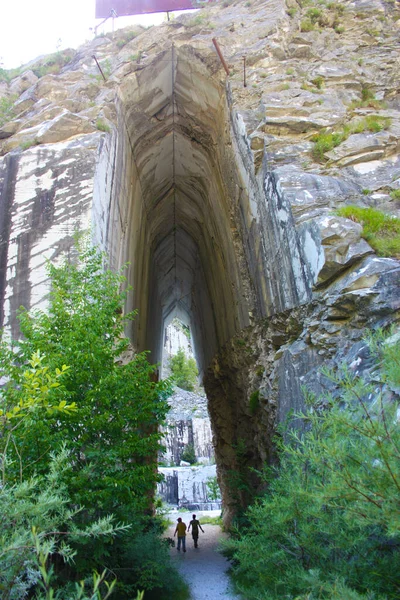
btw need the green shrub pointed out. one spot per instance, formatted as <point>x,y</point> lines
<point>105,411</point>
<point>213,491</point>
<point>306,25</point>
<point>318,81</point>
<point>102,126</point>
<point>336,7</point>
<point>188,454</point>
<point>380,230</point>
<point>313,14</point>
<point>329,525</point>
<point>184,371</point>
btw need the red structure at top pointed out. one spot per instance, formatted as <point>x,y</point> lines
<point>123,8</point>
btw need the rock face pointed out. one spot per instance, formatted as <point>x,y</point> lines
<point>219,194</point>
<point>188,424</point>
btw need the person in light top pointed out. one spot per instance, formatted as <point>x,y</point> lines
<point>181,531</point>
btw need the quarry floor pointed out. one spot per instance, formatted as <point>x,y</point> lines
<point>204,568</point>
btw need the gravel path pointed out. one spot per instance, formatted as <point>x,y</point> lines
<point>203,568</point>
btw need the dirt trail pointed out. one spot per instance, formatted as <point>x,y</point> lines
<point>204,568</point>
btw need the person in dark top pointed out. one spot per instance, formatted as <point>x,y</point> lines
<point>195,525</point>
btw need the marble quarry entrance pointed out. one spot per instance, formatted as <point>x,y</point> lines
<point>246,253</point>
<point>179,198</point>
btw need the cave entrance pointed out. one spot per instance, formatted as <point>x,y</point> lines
<point>178,211</point>
<point>174,163</point>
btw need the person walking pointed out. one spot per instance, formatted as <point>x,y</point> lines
<point>195,525</point>
<point>181,531</point>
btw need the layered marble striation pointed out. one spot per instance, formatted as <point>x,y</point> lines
<point>46,197</point>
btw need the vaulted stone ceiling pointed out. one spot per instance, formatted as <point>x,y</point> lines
<point>182,253</point>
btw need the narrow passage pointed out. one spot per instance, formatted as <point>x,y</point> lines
<point>204,568</point>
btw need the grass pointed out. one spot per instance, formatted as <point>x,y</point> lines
<point>380,230</point>
<point>308,88</point>
<point>313,14</point>
<point>28,144</point>
<point>367,100</point>
<point>102,126</point>
<point>52,64</point>
<point>211,521</point>
<point>306,25</point>
<point>318,81</point>
<point>326,140</point>
<point>395,194</point>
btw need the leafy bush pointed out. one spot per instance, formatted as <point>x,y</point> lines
<point>188,454</point>
<point>213,491</point>
<point>104,411</point>
<point>329,525</point>
<point>184,371</point>
<point>380,230</point>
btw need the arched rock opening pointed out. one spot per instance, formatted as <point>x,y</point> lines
<point>187,211</point>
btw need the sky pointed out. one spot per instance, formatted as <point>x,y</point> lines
<point>30,28</point>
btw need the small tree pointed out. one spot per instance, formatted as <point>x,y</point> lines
<point>108,422</point>
<point>184,371</point>
<point>329,525</point>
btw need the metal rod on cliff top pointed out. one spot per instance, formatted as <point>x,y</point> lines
<point>98,66</point>
<point>244,72</point>
<point>218,49</point>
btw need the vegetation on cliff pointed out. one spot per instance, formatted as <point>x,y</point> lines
<point>78,447</point>
<point>382,231</point>
<point>329,525</point>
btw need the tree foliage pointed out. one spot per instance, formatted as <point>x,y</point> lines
<point>72,382</point>
<point>184,370</point>
<point>329,525</point>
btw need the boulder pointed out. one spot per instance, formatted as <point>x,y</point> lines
<point>342,243</point>
<point>362,147</point>
<point>62,127</point>
<point>8,129</point>
<point>23,82</point>
<point>26,101</point>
